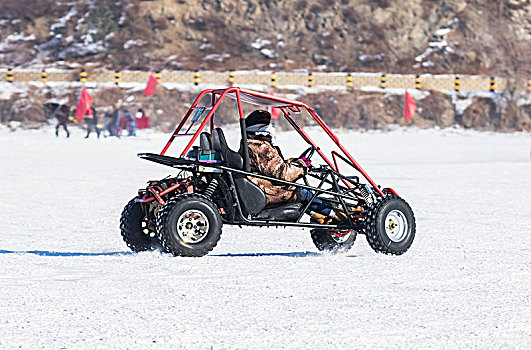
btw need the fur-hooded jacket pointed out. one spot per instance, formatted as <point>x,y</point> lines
<point>266,159</point>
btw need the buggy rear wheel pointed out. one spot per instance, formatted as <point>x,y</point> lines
<point>391,226</point>
<point>326,240</point>
<point>189,225</point>
<point>137,232</point>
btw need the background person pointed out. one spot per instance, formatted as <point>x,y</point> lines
<point>91,120</point>
<point>115,118</point>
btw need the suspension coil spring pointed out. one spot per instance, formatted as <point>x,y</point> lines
<point>211,188</point>
<point>366,193</point>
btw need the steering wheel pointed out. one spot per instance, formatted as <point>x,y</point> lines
<point>308,153</point>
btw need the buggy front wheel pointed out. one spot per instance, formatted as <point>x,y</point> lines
<point>391,226</point>
<point>189,225</point>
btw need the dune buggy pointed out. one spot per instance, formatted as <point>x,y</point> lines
<point>184,214</point>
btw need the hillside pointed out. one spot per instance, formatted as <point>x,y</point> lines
<point>447,36</point>
<point>414,36</point>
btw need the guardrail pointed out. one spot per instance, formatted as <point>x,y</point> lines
<point>282,80</point>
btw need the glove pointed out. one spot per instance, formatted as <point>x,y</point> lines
<point>306,161</point>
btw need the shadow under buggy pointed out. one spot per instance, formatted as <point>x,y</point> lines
<point>184,215</point>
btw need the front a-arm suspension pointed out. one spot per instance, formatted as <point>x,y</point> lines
<point>162,190</point>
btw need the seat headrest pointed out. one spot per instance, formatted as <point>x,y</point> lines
<point>216,145</point>
<point>218,140</point>
<point>219,143</point>
<point>205,141</point>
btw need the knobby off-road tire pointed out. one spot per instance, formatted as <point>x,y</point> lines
<point>325,240</point>
<point>135,231</point>
<point>390,227</point>
<point>189,225</point>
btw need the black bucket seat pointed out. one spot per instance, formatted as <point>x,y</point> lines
<point>252,198</point>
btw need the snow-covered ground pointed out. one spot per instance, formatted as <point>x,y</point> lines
<point>68,281</point>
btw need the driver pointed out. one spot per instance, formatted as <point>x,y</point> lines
<point>266,158</point>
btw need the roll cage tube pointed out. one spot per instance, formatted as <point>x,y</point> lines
<point>185,118</point>
<point>245,146</point>
<point>258,98</point>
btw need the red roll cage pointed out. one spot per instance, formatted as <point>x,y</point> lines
<point>257,98</point>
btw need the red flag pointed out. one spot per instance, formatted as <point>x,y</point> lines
<point>85,101</point>
<point>410,106</point>
<point>151,85</point>
<point>274,111</point>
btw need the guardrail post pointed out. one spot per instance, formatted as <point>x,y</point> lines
<point>273,79</point>
<point>457,84</point>
<point>44,76</point>
<point>492,84</point>
<point>83,76</point>
<point>231,77</point>
<point>383,81</point>
<point>310,79</point>
<point>417,82</point>
<point>349,80</point>
<point>116,77</point>
<point>10,75</point>
<point>197,77</point>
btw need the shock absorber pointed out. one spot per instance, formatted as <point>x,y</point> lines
<point>366,192</point>
<point>211,188</point>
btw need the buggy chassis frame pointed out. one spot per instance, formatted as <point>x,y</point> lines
<point>348,190</point>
